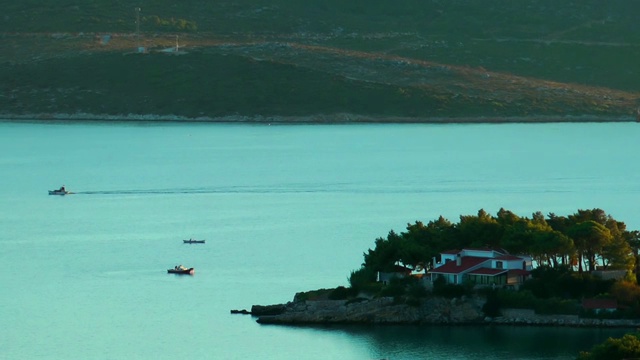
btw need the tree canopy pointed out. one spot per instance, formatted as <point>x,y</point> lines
<point>587,239</point>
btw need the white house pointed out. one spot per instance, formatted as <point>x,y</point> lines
<point>482,267</point>
<point>397,272</point>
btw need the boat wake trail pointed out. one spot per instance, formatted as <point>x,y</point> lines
<point>262,189</point>
<point>346,188</point>
<point>151,191</point>
<point>215,190</point>
<point>142,192</point>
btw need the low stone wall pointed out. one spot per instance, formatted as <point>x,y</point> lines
<point>529,317</point>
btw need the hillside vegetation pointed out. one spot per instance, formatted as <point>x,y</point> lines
<point>417,60</point>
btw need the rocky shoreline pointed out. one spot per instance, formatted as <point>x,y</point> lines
<point>431,311</point>
<point>315,119</point>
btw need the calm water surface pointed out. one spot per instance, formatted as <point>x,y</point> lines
<point>283,209</point>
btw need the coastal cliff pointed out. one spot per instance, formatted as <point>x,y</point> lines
<point>430,311</point>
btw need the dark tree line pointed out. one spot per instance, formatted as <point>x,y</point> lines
<point>581,241</point>
<point>626,347</point>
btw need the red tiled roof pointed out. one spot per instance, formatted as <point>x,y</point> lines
<point>466,263</point>
<point>488,271</point>
<point>519,272</point>
<point>600,303</point>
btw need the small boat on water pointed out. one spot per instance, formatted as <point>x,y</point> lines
<point>193,241</point>
<point>181,270</point>
<point>61,191</point>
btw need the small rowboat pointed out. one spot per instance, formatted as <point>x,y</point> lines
<point>192,241</point>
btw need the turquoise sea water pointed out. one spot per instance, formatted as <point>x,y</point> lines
<point>283,209</point>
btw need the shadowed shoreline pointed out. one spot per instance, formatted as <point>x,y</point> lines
<point>317,119</point>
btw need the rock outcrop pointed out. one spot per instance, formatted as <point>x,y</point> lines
<point>378,311</point>
<point>440,311</point>
<point>268,310</point>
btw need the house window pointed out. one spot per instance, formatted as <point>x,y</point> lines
<point>498,264</point>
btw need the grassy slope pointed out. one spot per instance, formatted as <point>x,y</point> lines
<point>415,59</point>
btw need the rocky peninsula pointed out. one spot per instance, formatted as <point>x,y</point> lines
<point>430,311</point>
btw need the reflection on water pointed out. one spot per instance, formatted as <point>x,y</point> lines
<point>473,342</point>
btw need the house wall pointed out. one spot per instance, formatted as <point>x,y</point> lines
<point>610,274</point>
<point>529,262</point>
<point>385,277</point>
<point>515,279</point>
<point>510,264</point>
<point>488,280</point>
<point>478,253</point>
<point>452,279</point>
<point>448,278</point>
<point>444,258</point>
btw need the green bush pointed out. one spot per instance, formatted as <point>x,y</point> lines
<point>449,290</point>
<point>441,288</point>
<point>563,283</point>
<point>370,288</point>
<point>396,288</point>
<point>417,290</point>
<point>313,294</point>
<point>340,293</point>
<point>492,306</point>
<point>556,306</point>
<point>362,278</point>
<point>523,299</point>
<point>627,347</point>
<point>413,301</point>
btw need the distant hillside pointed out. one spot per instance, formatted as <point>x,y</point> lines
<point>592,20</point>
<point>321,60</point>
